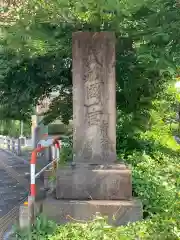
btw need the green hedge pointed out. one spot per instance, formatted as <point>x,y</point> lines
<point>156,228</point>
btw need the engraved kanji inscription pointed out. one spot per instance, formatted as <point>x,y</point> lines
<point>97,55</point>
<point>94,118</point>
<point>104,129</point>
<point>89,75</point>
<point>94,91</point>
<point>89,68</point>
<point>92,70</point>
<point>87,150</point>
<point>105,142</point>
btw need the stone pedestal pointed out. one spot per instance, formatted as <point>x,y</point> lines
<point>95,182</point>
<point>118,212</point>
<point>24,218</point>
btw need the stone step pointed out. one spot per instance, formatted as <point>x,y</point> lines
<point>108,182</point>
<point>118,212</point>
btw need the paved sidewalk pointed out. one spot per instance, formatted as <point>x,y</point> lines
<point>14,178</point>
<point>21,164</point>
<point>12,185</point>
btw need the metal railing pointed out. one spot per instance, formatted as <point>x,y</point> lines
<point>13,145</point>
<point>42,145</point>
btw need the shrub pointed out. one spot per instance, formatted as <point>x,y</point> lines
<point>66,154</point>
<point>157,228</point>
<point>40,230</point>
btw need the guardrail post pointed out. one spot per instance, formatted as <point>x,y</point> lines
<point>31,208</point>
<point>5,141</point>
<point>54,152</point>
<point>58,153</point>
<point>28,212</point>
<point>13,145</point>
<point>25,215</point>
<point>8,144</point>
<point>22,141</point>
<point>19,147</point>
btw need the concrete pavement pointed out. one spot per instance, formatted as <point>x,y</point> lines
<point>12,188</point>
<point>14,185</point>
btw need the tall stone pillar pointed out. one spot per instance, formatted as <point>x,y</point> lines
<point>94,97</point>
<point>96,180</point>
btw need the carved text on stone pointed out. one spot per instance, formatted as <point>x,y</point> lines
<point>93,118</point>
<point>92,70</point>
<point>104,129</point>
<point>94,91</point>
<point>87,149</point>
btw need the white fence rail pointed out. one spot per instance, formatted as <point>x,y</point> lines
<point>12,144</point>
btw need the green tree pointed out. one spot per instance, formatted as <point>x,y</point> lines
<point>36,59</point>
<point>11,128</point>
<point>36,41</point>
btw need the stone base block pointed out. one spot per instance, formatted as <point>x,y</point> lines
<point>47,175</point>
<point>40,190</point>
<point>95,182</point>
<point>27,212</point>
<point>24,218</point>
<point>118,212</point>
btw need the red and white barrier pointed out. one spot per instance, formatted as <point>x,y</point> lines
<point>27,211</point>
<point>43,144</point>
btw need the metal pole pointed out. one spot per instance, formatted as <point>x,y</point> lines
<point>31,198</point>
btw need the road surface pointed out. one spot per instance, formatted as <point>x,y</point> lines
<point>14,185</point>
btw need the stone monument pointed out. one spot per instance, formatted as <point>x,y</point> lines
<point>96,182</point>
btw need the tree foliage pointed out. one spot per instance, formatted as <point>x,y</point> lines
<point>36,59</point>
<point>12,128</point>
<point>36,49</point>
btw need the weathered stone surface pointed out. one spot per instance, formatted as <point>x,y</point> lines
<point>94,174</point>
<point>107,182</point>
<point>94,107</point>
<point>40,190</point>
<point>24,220</point>
<point>47,175</point>
<point>118,212</point>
